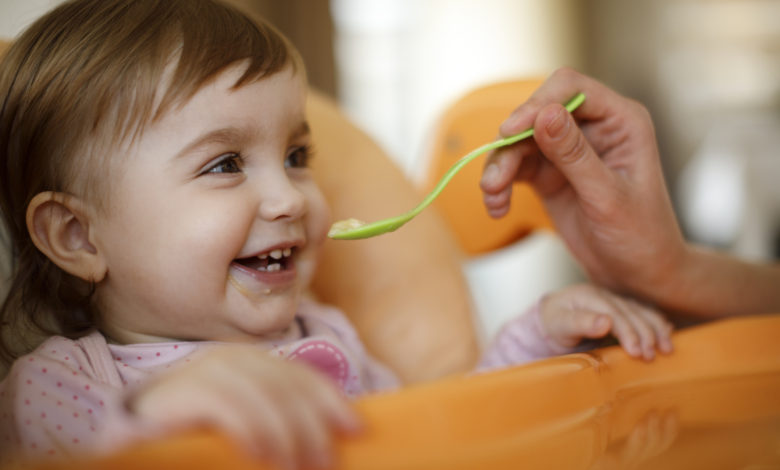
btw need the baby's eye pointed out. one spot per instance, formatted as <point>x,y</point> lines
<point>228,163</point>
<point>299,157</point>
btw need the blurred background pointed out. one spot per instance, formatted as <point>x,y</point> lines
<point>708,71</point>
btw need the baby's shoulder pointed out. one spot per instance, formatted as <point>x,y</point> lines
<point>59,355</point>
<point>60,348</point>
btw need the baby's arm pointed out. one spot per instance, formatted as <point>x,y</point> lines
<point>562,319</point>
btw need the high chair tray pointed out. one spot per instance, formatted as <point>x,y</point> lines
<point>713,403</point>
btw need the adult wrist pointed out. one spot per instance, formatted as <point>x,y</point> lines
<point>681,276</point>
<point>669,285</point>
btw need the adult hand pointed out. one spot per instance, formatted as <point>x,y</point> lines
<point>598,172</point>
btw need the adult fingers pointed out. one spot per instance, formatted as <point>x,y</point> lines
<point>498,203</point>
<point>507,164</point>
<point>561,86</point>
<point>563,143</point>
<point>502,168</point>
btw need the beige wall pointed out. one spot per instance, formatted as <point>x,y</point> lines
<point>402,62</point>
<point>708,72</point>
<point>15,15</point>
<point>308,25</point>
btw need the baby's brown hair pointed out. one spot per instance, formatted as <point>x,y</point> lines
<point>84,78</point>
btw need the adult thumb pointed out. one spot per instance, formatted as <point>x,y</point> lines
<point>563,143</point>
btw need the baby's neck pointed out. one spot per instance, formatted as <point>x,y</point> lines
<point>296,329</point>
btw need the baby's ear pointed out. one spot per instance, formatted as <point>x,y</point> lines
<point>59,225</point>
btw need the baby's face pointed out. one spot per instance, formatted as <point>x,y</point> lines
<point>214,221</point>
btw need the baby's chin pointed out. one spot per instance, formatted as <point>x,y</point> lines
<point>261,312</point>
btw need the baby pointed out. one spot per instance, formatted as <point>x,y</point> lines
<point>165,226</point>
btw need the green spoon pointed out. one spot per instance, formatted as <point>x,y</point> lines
<point>353,229</point>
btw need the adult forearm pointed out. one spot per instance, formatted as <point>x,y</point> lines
<point>709,284</point>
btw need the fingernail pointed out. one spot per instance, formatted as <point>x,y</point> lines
<point>490,175</point>
<point>558,124</point>
<point>511,125</point>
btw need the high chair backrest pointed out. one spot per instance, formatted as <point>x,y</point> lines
<point>468,123</point>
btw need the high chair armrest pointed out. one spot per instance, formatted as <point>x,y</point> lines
<point>711,404</point>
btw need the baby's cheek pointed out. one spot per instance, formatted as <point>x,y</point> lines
<point>318,218</point>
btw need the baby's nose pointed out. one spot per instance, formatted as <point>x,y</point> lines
<point>283,200</point>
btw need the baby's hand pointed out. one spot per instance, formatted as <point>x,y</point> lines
<point>279,410</point>
<point>586,311</point>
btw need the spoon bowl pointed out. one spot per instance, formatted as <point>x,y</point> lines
<point>353,229</point>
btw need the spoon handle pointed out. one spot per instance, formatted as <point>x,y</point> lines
<point>573,104</point>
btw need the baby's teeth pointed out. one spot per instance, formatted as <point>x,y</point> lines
<point>263,256</point>
<point>287,251</point>
<point>276,254</point>
<point>274,267</point>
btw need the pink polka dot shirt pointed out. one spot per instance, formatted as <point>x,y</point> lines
<point>66,397</point>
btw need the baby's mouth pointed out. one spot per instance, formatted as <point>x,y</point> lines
<point>271,261</point>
